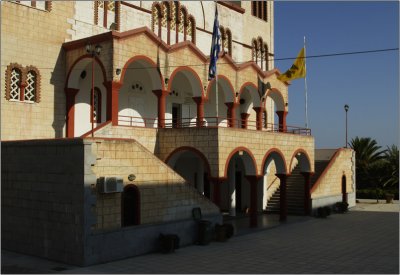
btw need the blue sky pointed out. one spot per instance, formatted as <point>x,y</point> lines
<point>368,83</point>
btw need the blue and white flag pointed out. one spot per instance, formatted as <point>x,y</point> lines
<point>215,48</point>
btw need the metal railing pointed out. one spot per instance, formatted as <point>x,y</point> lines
<point>210,122</point>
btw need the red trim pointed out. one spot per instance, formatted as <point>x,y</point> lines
<point>200,110</point>
<point>105,12</point>
<point>237,149</point>
<point>181,69</point>
<point>259,117</point>
<point>161,105</point>
<point>125,3</point>
<point>232,6</point>
<point>331,161</point>
<point>231,113</point>
<point>244,117</point>
<point>273,150</point>
<point>253,180</point>
<point>83,57</point>
<point>220,76</point>
<point>300,150</point>
<point>113,88</point>
<point>244,85</point>
<point>195,151</point>
<point>102,125</point>
<point>282,120</point>
<point>276,91</point>
<point>140,57</point>
<point>70,94</point>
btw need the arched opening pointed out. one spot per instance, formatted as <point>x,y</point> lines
<point>137,102</point>
<point>275,106</point>
<point>193,166</point>
<point>249,110</point>
<point>80,78</point>
<point>218,115</point>
<point>181,109</point>
<point>237,197</point>
<point>344,189</point>
<point>130,206</point>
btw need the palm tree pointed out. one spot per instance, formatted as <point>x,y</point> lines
<point>392,161</point>
<point>368,153</point>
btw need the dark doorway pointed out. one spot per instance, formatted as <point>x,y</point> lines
<point>238,191</point>
<point>344,191</point>
<point>207,186</point>
<point>130,206</point>
<point>176,115</point>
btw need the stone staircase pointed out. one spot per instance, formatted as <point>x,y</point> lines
<point>295,190</point>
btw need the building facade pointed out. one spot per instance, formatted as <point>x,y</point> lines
<point>120,89</point>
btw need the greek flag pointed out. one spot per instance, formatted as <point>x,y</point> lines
<point>215,48</point>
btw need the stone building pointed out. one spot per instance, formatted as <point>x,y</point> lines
<point>112,134</point>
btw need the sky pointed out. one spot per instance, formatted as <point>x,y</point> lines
<point>368,83</point>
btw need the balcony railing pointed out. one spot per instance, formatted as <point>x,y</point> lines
<point>210,122</point>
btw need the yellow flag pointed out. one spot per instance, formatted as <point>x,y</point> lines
<point>298,69</point>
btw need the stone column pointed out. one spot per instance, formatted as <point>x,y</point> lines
<point>307,193</point>
<point>253,180</point>
<point>244,117</point>
<point>113,88</point>
<point>161,105</point>
<point>259,113</point>
<point>70,94</point>
<point>282,120</point>
<point>231,114</point>
<point>200,110</point>
<point>283,198</point>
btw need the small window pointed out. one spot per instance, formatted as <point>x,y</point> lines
<point>30,89</point>
<point>259,9</point>
<point>22,84</point>
<point>15,84</point>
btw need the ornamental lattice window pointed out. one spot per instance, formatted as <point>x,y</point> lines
<point>30,89</point>
<point>22,84</point>
<point>97,105</point>
<point>172,23</point>
<point>260,53</point>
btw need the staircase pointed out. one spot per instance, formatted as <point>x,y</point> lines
<point>294,193</point>
<point>295,190</point>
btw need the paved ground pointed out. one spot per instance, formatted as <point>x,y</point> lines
<point>364,240</point>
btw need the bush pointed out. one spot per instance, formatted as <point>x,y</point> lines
<point>341,207</point>
<point>372,193</point>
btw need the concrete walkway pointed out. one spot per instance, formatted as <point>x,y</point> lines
<point>359,241</point>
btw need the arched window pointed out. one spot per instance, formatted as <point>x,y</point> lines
<point>260,53</point>
<point>156,19</point>
<point>191,29</point>
<point>97,105</point>
<point>266,56</point>
<point>226,40</point>
<point>130,206</point>
<point>22,84</point>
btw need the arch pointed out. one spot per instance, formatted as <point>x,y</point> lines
<point>303,159</point>
<point>221,80</point>
<point>191,75</point>
<point>277,97</point>
<point>277,156</point>
<point>74,73</point>
<point>248,167</point>
<point>249,97</point>
<point>175,154</point>
<point>130,206</point>
<point>144,59</point>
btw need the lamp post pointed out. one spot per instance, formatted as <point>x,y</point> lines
<point>93,52</point>
<point>346,108</point>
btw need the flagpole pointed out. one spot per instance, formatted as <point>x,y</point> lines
<point>216,94</point>
<point>305,82</point>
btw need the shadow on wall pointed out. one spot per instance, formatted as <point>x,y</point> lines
<point>57,79</point>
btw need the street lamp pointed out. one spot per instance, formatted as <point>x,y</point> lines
<point>346,108</point>
<point>93,52</point>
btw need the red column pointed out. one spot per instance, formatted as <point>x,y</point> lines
<point>231,114</point>
<point>216,198</point>
<point>113,88</point>
<point>253,200</point>
<point>259,113</point>
<point>200,110</point>
<point>70,94</point>
<point>162,98</point>
<point>244,117</point>
<point>283,198</point>
<point>307,193</point>
<point>282,120</point>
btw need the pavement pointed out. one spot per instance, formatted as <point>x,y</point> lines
<point>364,240</point>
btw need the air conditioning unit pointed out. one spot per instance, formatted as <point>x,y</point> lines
<point>110,185</point>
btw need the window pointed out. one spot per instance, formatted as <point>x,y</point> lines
<point>108,12</point>
<point>259,9</point>
<point>172,23</point>
<point>42,5</point>
<point>22,84</point>
<point>260,53</point>
<point>226,40</point>
<point>97,105</point>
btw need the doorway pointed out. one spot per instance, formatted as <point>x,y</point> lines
<point>176,115</point>
<point>130,206</point>
<point>344,190</point>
